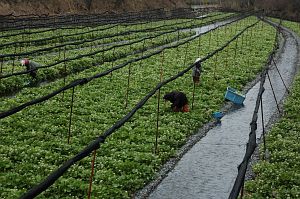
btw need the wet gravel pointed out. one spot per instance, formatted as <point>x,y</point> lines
<point>276,116</point>
<point>170,182</point>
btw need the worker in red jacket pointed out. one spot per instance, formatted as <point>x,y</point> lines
<point>30,66</point>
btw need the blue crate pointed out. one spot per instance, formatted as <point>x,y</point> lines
<point>218,115</point>
<point>232,95</point>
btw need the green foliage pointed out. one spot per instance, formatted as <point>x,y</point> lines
<point>279,177</point>
<point>34,141</point>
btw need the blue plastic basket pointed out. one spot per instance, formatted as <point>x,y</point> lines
<point>218,115</point>
<point>232,95</point>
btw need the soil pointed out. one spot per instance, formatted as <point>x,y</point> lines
<point>54,7</point>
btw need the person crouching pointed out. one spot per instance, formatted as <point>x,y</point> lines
<point>30,66</point>
<point>179,101</point>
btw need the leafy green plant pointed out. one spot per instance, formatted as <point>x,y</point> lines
<point>34,141</point>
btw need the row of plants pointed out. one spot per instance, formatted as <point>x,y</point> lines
<point>36,41</point>
<point>279,175</point>
<point>54,47</point>
<point>82,59</point>
<point>34,141</point>
<point>60,35</point>
<point>295,26</point>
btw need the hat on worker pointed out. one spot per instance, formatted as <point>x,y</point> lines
<point>198,59</point>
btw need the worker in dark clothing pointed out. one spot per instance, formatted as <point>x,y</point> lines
<point>179,101</point>
<point>196,71</point>
<point>30,66</point>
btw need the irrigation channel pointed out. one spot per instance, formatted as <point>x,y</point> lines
<point>209,168</point>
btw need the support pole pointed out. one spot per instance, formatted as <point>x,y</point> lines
<point>185,56</point>
<point>92,174</point>
<point>199,44</point>
<point>142,52</point>
<point>193,95</point>
<point>65,71</point>
<point>2,62</point>
<point>263,127</point>
<point>158,106</point>
<point>273,92</point>
<point>112,63</point>
<point>157,123</point>
<point>242,190</point>
<point>128,86</point>
<point>71,113</point>
<point>288,91</point>
<point>13,67</point>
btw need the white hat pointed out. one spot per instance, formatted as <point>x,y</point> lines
<point>198,59</point>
